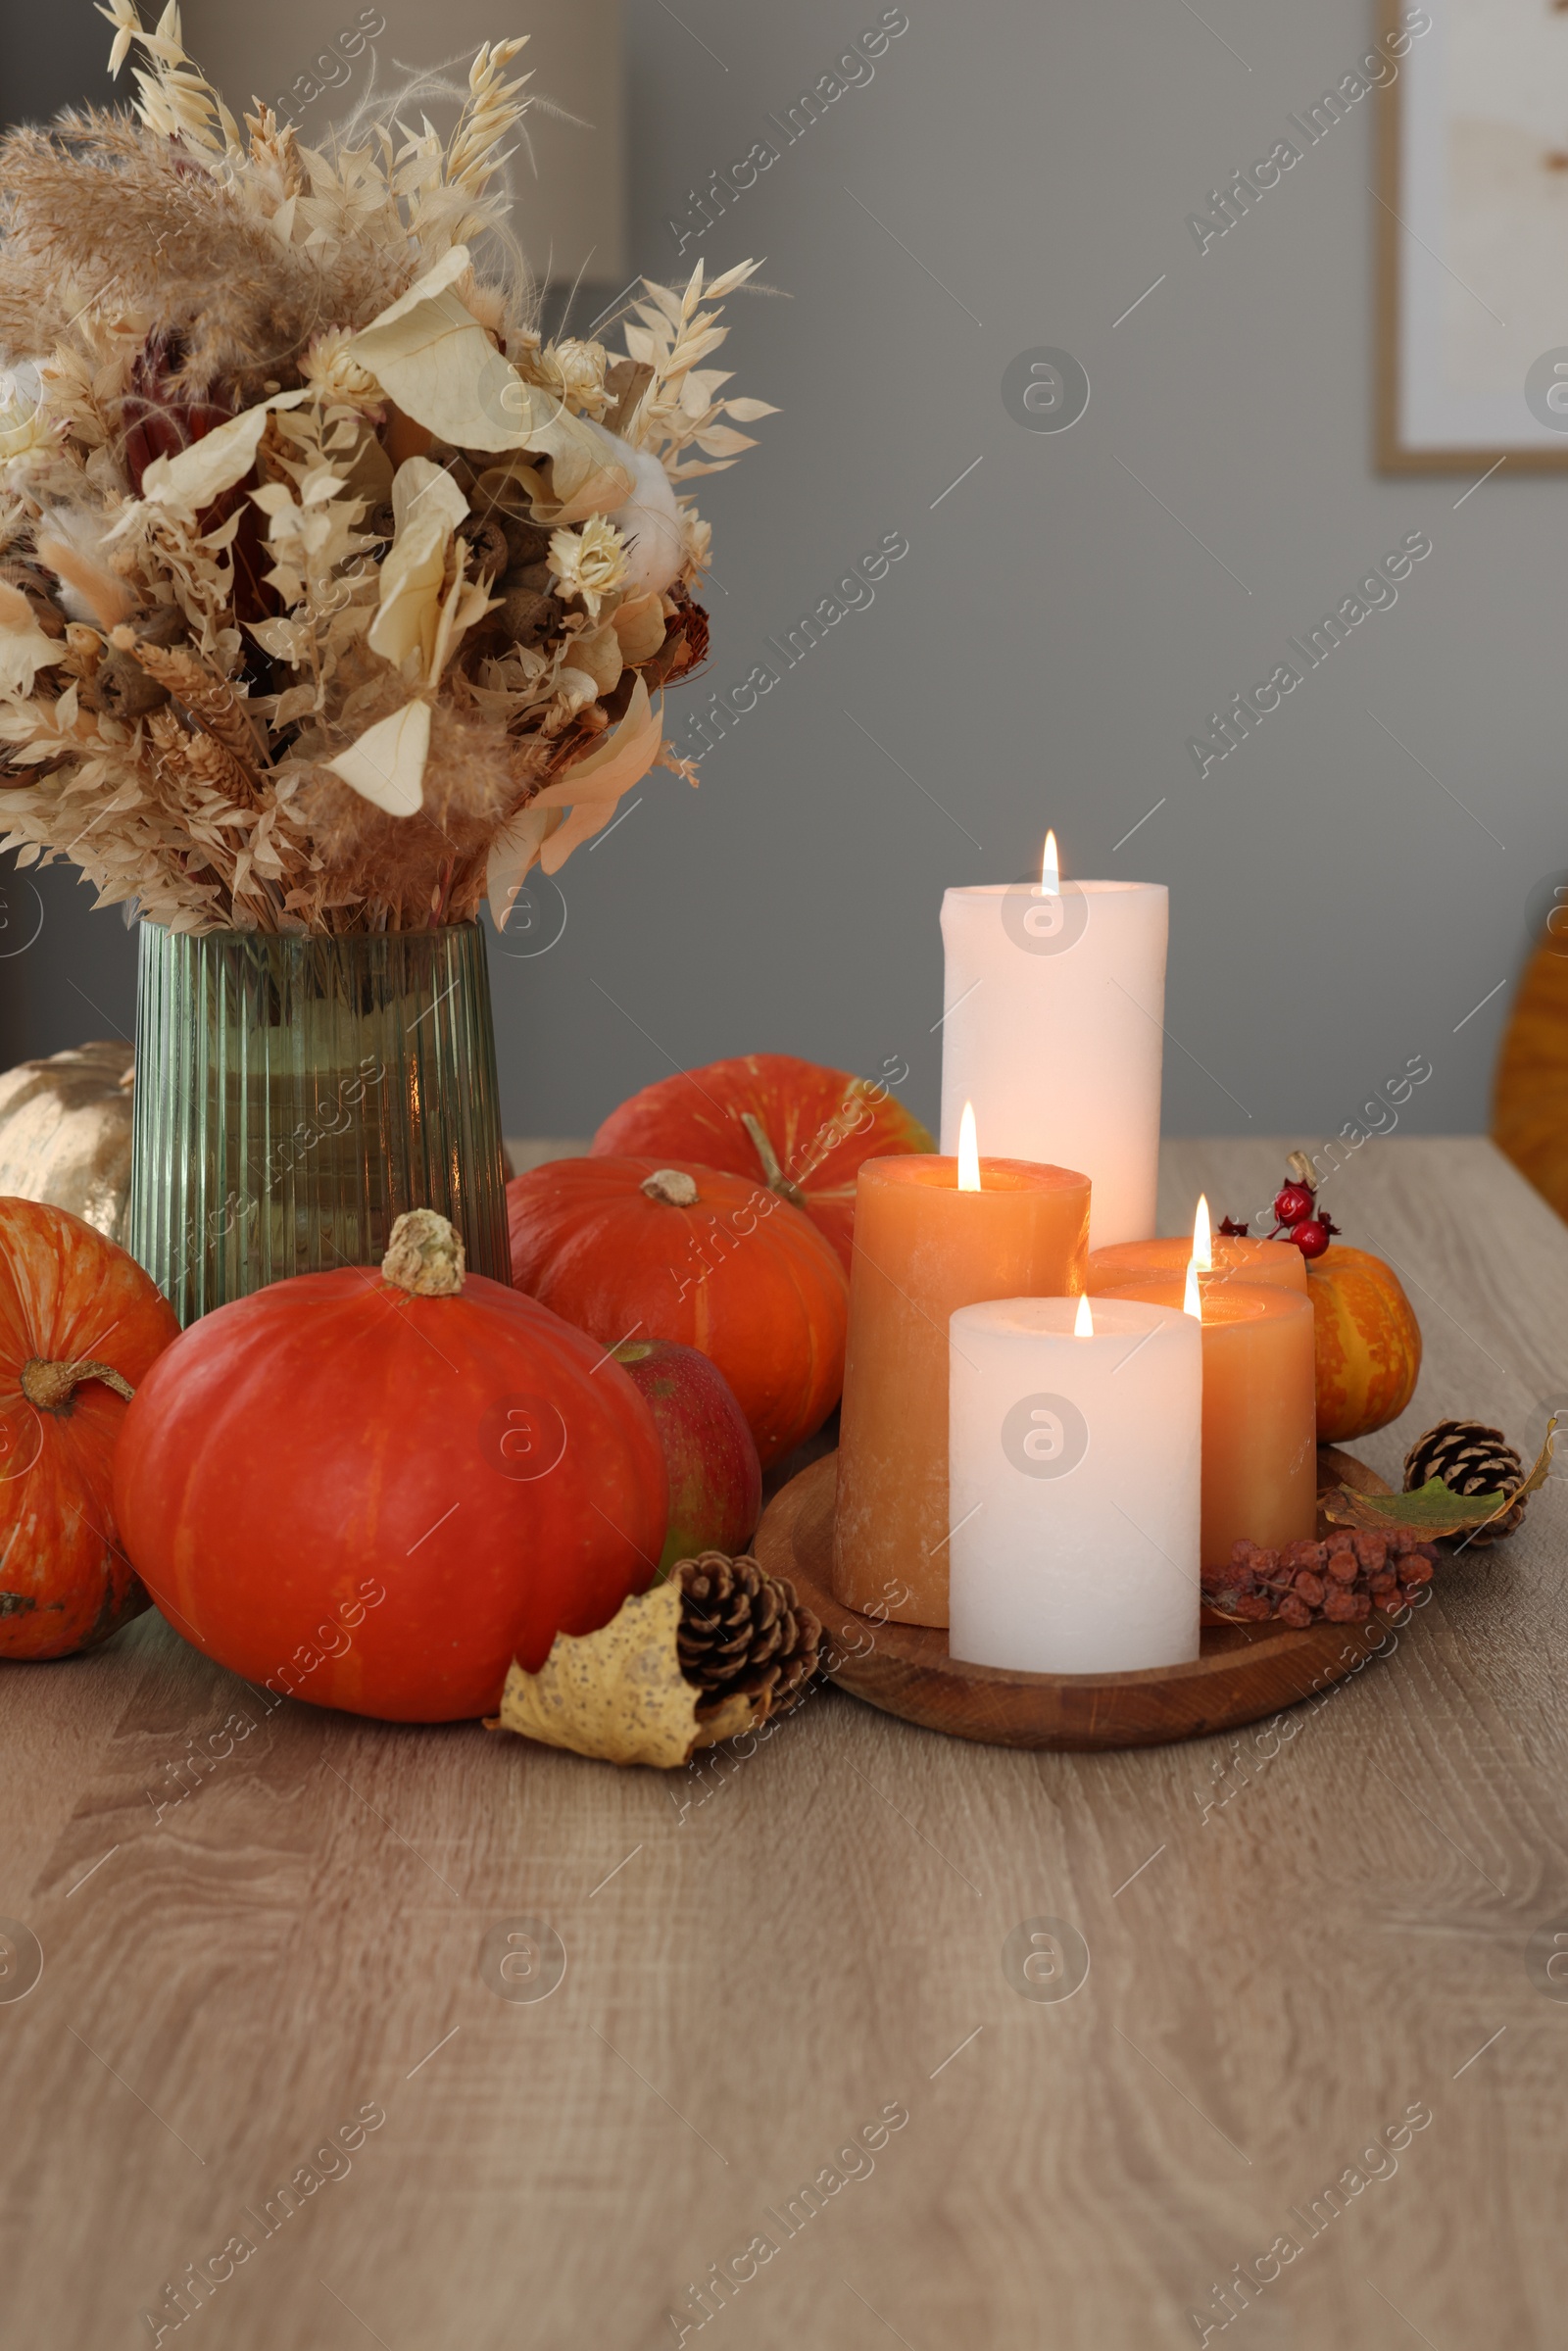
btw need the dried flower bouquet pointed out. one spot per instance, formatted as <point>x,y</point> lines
<point>332,596</point>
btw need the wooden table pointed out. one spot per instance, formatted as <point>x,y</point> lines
<point>1297,1939</point>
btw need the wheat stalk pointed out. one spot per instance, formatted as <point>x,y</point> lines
<point>177,99</point>
<point>210,699</point>
<point>491,110</point>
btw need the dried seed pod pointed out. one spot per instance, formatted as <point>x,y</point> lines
<point>488,555</point>
<point>1303,1553</point>
<point>526,542</point>
<point>1310,1587</point>
<point>1342,1564</point>
<point>164,626</point>
<point>1343,1607</point>
<point>121,688</point>
<point>525,616</point>
<point>1371,1550</point>
<point>1294,1612</point>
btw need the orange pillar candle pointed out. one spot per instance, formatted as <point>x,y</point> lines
<point>922,1248</point>
<point>1277,1262</point>
<point>1259,1408</point>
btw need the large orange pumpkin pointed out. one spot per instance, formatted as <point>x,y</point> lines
<point>373,1490</point>
<point>801,1129</point>
<point>629,1248</point>
<point>1368,1343</point>
<point>80,1324</point>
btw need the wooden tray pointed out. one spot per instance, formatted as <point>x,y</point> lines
<point>1243,1671</point>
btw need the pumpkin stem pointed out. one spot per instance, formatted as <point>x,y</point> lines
<point>774,1173</point>
<point>671,1185</point>
<point>424,1257</point>
<point>50,1386</point>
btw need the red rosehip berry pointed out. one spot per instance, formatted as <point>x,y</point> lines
<point>1310,1237</point>
<point>1292,1204</point>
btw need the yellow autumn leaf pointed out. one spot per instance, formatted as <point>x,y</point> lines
<point>620,1693</point>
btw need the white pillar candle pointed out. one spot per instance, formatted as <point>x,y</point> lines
<point>1074,1485</point>
<point>1053,1027</point>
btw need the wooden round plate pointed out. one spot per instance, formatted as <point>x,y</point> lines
<point>1243,1673</point>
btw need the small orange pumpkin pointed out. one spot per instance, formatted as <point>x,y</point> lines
<point>1368,1343</point>
<point>803,1129</point>
<point>80,1325</point>
<point>630,1248</point>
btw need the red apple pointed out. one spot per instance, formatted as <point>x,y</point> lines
<point>716,1479</point>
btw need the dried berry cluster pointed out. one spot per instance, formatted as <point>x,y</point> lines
<point>1339,1581</point>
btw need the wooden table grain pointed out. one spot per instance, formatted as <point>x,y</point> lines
<point>275,2088</point>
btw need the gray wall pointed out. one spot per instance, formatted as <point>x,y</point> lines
<point>1069,613</point>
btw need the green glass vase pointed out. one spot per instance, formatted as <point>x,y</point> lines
<point>296,1094</point>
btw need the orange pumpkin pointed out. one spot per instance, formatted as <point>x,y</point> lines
<point>631,1248</point>
<point>801,1129</point>
<point>1527,1120</point>
<point>433,1449</point>
<point>80,1324</point>
<point>1368,1343</point>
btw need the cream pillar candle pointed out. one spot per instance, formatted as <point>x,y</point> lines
<point>1054,1003</point>
<point>1074,1477</point>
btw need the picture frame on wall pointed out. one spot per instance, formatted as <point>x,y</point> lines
<point>1472,234</point>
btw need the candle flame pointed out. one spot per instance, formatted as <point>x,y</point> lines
<point>1203,1237</point>
<point>1192,1302</point>
<point>1084,1327</point>
<point>968,1153</point>
<point>1051,869</point>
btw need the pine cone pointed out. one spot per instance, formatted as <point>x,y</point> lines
<point>1469,1458</point>
<point>743,1629</point>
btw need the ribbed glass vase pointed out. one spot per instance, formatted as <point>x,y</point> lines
<point>296,1094</point>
